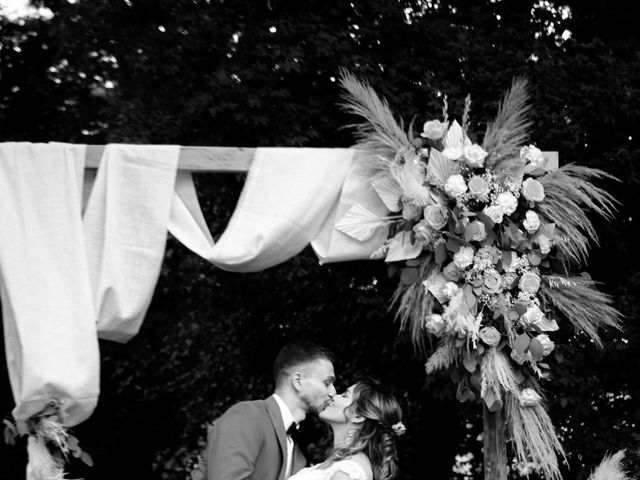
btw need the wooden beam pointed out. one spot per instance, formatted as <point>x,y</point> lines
<point>196,159</point>
<point>494,444</point>
<point>228,159</point>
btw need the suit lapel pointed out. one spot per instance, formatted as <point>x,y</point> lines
<point>299,460</point>
<point>278,427</point>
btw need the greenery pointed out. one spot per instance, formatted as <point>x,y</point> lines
<point>262,73</point>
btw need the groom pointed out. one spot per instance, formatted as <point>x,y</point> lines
<point>253,440</point>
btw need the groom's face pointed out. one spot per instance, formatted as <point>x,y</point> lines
<point>317,385</point>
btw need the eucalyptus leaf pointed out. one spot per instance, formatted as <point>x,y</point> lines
<point>521,343</point>
<point>86,458</point>
<point>536,349</point>
<point>470,363</point>
<point>408,276</point>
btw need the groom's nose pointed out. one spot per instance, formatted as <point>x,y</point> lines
<point>332,392</point>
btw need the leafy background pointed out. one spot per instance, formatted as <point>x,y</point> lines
<point>262,73</point>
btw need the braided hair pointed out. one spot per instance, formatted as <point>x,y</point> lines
<point>376,437</point>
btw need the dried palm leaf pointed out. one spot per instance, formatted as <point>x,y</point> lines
<point>510,129</point>
<point>578,299</point>
<point>568,192</point>
<point>379,133</point>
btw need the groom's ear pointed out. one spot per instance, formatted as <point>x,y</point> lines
<point>296,381</point>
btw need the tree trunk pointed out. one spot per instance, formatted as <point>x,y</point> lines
<point>495,447</point>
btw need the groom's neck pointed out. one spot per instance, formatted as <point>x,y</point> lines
<point>293,403</point>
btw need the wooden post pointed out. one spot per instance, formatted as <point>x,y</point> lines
<point>495,446</point>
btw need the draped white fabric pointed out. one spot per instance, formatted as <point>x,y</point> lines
<point>125,225</point>
<point>292,196</point>
<point>47,308</point>
<point>60,277</point>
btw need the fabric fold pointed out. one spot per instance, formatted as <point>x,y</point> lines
<point>286,200</point>
<point>125,227</point>
<point>50,336</point>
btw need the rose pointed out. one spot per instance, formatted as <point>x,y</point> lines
<point>544,244</point>
<point>464,257</point>
<point>508,202</point>
<point>494,212</point>
<point>455,185</point>
<point>477,231</point>
<point>478,187</point>
<point>492,281</point>
<point>489,336</point>
<point>547,344</point>
<point>451,272</point>
<point>474,155</point>
<point>532,316</point>
<point>436,216</point>
<point>531,221</point>
<point>411,211</point>
<point>533,190</point>
<point>434,324</point>
<point>450,289</point>
<point>434,129</point>
<point>529,282</point>
<point>533,155</point>
<point>529,398</point>
<point>423,232</point>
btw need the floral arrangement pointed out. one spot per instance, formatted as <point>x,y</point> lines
<point>484,238</point>
<point>49,443</point>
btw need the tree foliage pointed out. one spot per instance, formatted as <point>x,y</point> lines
<point>262,73</point>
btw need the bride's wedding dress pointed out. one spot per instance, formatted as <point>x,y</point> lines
<point>350,467</point>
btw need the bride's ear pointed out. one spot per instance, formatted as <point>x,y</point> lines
<point>357,419</point>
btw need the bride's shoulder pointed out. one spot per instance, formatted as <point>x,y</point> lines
<point>356,467</point>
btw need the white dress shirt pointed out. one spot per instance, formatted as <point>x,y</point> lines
<point>287,419</point>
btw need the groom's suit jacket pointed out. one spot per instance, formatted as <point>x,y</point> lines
<point>249,442</point>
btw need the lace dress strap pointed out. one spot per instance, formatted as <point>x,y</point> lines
<point>350,467</point>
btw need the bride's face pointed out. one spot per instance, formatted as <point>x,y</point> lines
<point>338,410</point>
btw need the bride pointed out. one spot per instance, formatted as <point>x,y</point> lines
<point>365,420</point>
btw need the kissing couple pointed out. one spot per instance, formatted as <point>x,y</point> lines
<point>255,440</point>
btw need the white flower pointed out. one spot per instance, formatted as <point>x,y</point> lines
<point>478,187</point>
<point>464,257</point>
<point>533,190</point>
<point>545,244</point>
<point>532,155</point>
<point>547,344</point>
<point>494,212</point>
<point>450,289</point>
<point>455,185</point>
<point>529,398</point>
<point>474,155</point>
<point>477,231</point>
<point>529,282</point>
<point>531,222</point>
<point>434,324</point>
<point>436,216</point>
<point>433,129</point>
<point>423,233</point>
<point>411,211</point>
<point>532,317</point>
<point>508,202</point>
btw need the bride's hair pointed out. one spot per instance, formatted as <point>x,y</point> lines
<point>376,437</point>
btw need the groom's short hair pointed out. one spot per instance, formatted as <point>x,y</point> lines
<point>296,354</point>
